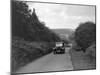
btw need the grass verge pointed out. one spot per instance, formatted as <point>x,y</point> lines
<point>81,61</point>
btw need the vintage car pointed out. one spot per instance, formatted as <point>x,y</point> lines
<point>59,48</point>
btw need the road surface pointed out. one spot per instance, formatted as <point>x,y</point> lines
<point>49,62</point>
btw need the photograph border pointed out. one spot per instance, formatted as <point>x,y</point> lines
<point>48,3</point>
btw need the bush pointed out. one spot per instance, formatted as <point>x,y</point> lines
<point>85,34</point>
<point>91,50</point>
<point>24,52</point>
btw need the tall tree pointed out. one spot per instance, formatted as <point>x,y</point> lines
<point>85,34</point>
<point>28,26</point>
<point>20,15</point>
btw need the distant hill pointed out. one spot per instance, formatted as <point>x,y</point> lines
<point>63,31</point>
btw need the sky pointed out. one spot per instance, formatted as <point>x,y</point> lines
<point>62,16</point>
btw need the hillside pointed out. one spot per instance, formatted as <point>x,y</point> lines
<point>63,31</point>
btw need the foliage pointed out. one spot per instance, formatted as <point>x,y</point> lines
<point>85,34</point>
<point>20,14</point>
<point>24,52</point>
<point>91,50</point>
<point>28,26</point>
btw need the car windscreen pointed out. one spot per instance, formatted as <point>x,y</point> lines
<point>59,44</point>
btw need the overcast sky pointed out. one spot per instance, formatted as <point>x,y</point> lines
<point>63,16</point>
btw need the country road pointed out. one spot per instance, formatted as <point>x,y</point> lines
<point>49,62</point>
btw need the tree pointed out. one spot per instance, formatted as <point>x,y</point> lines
<point>20,16</point>
<point>28,26</point>
<point>85,34</point>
